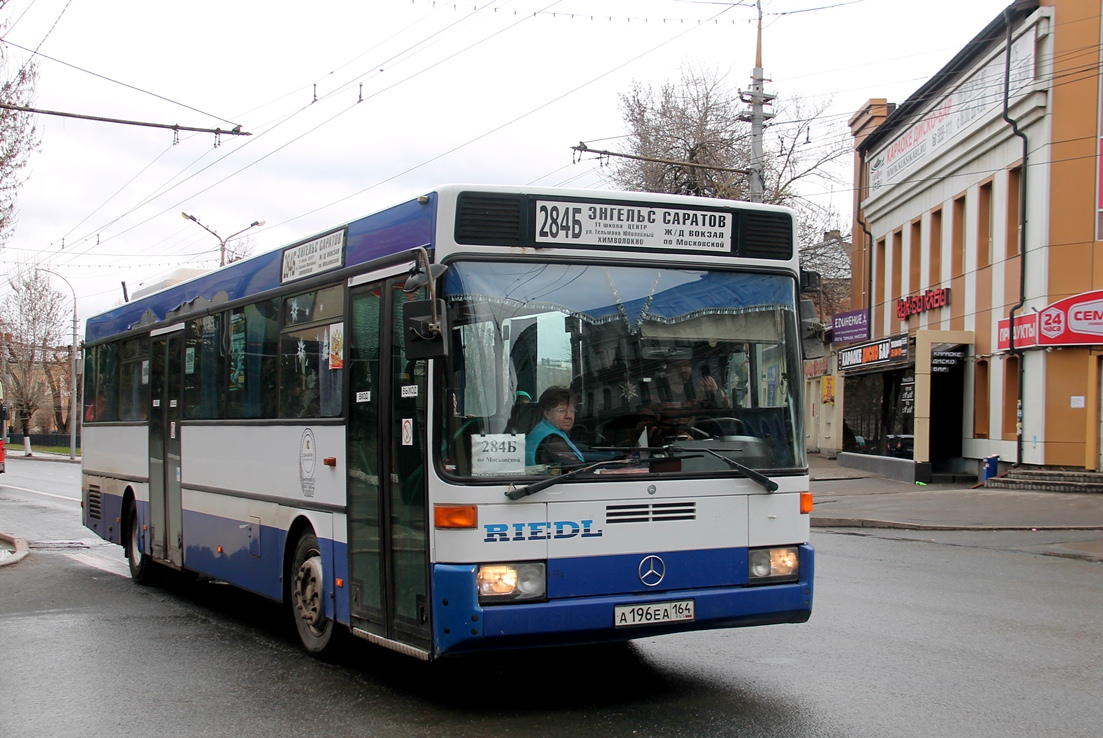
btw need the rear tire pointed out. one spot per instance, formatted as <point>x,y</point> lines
<point>141,565</point>
<point>307,600</point>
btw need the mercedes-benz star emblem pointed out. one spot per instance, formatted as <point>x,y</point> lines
<point>652,570</point>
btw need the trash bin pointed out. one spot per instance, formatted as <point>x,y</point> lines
<point>990,468</point>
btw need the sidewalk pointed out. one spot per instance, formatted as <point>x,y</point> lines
<point>852,498</point>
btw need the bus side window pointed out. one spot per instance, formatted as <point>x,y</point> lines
<point>90,383</point>
<point>203,368</point>
<point>252,369</point>
<point>106,396</point>
<point>134,380</point>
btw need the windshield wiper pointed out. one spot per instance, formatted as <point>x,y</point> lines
<point>516,493</point>
<point>767,483</point>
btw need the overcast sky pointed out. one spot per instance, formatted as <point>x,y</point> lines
<point>354,105</point>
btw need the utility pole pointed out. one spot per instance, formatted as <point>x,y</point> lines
<point>757,99</point>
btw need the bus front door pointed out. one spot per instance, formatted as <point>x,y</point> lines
<point>388,533</point>
<point>165,512</point>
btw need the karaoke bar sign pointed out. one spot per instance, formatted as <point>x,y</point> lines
<point>1073,321</point>
<point>887,351</point>
<point>929,300</point>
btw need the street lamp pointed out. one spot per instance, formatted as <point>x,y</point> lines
<point>222,241</point>
<point>73,389</point>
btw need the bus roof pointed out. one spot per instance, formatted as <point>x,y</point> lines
<point>391,232</point>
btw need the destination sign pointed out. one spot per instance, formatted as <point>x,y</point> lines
<point>633,226</point>
<point>314,257</point>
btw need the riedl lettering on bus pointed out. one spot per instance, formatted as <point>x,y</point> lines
<point>539,531</point>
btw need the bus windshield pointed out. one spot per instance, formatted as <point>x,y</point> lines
<point>668,369</point>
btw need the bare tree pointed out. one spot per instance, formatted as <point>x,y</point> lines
<point>685,130</point>
<point>680,129</point>
<point>18,135</point>
<point>32,320</point>
<point>239,248</point>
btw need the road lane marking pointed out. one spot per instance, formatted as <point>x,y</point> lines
<point>38,492</point>
<point>111,566</point>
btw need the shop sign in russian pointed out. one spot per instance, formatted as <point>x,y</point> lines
<point>884,352</point>
<point>1073,321</point>
<point>850,326</point>
<point>815,368</point>
<point>916,304</point>
<point>1026,332</point>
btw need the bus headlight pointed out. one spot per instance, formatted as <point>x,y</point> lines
<point>511,582</point>
<point>771,565</point>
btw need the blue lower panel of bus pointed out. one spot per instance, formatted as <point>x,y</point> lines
<point>248,555</point>
<point>462,625</point>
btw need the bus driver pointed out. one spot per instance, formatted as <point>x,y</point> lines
<point>548,443</point>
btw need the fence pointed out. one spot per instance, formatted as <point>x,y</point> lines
<point>42,439</point>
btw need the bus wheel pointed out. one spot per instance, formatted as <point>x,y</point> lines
<point>141,566</point>
<point>307,596</point>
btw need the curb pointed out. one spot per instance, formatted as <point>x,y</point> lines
<point>43,457</point>
<point>21,549</point>
<point>823,522</point>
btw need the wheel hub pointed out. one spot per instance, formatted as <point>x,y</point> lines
<point>308,591</point>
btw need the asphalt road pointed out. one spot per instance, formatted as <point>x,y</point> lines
<point>909,637</point>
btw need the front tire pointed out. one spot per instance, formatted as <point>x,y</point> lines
<point>307,601</point>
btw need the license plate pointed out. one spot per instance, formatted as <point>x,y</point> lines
<point>652,613</point>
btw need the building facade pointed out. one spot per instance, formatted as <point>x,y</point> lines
<point>978,255</point>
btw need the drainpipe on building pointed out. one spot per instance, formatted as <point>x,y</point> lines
<point>1022,239</point>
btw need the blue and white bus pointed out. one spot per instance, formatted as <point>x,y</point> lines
<point>346,425</point>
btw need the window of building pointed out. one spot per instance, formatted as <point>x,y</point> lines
<point>934,263</point>
<point>915,253</point>
<point>879,275</point>
<point>984,225</point>
<point>957,238</point>
<point>897,273</point>
<point>1014,202</point>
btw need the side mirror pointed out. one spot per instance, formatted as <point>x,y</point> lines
<point>426,326</point>
<point>809,281</point>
